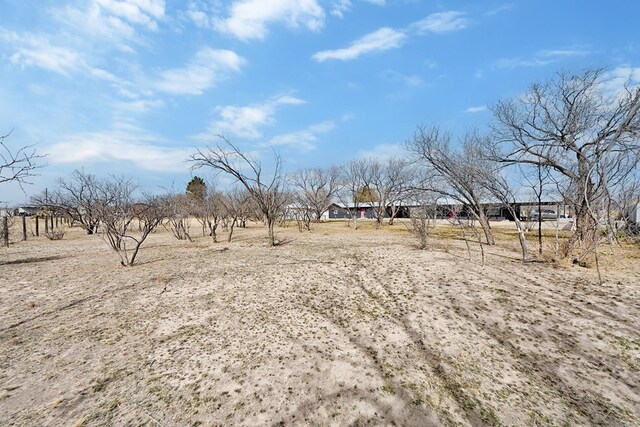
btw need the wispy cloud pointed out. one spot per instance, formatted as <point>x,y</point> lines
<point>387,38</point>
<point>207,68</point>
<point>304,139</point>
<point>540,58</point>
<point>249,19</point>
<point>383,152</point>
<point>478,109</point>
<point>122,145</point>
<point>378,41</point>
<point>340,7</point>
<point>247,121</point>
<point>441,22</point>
<point>31,50</point>
<point>502,8</point>
<point>118,22</point>
<point>410,80</point>
<point>141,105</point>
<point>615,80</point>
<point>35,50</point>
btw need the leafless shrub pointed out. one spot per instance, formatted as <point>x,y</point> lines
<point>119,215</point>
<point>314,190</point>
<point>55,234</point>
<point>179,207</point>
<point>454,172</point>
<point>421,225</point>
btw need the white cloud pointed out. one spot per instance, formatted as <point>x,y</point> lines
<point>248,19</point>
<point>141,105</point>
<point>247,121</point>
<point>441,22</point>
<point>57,59</point>
<point>383,152</point>
<point>113,20</point>
<point>125,145</point>
<point>33,50</point>
<point>387,38</point>
<point>304,139</point>
<point>540,58</point>
<point>203,71</point>
<point>556,53</point>
<point>340,7</point>
<point>477,109</point>
<point>409,80</point>
<point>199,13</point>
<point>378,41</point>
<point>616,79</point>
<point>140,12</point>
<point>502,8</point>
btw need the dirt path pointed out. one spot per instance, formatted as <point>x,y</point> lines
<point>333,328</point>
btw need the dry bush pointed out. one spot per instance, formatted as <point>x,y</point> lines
<point>55,234</point>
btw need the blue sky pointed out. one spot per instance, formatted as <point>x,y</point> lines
<point>131,87</point>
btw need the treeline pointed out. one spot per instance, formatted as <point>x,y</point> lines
<point>573,138</point>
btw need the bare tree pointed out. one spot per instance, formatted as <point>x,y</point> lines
<point>575,127</point>
<point>78,197</point>
<point>237,203</point>
<point>267,193</point>
<point>499,187</point>
<point>126,224</point>
<point>355,187</point>
<point>537,178</point>
<point>458,171</point>
<point>180,207</point>
<point>17,165</point>
<point>626,196</point>
<point>210,211</point>
<point>391,182</point>
<point>420,216</point>
<point>316,189</point>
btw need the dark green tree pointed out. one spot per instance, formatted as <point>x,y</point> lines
<point>196,188</point>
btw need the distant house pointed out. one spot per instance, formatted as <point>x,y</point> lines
<point>494,211</point>
<point>28,210</point>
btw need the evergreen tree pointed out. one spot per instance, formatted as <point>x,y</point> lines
<point>196,188</point>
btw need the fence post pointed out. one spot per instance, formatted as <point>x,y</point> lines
<point>37,226</point>
<point>5,230</point>
<point>24,227</point>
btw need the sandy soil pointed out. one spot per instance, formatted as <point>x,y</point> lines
<point>334,327</point>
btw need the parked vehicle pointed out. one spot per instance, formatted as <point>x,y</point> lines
<point>545,214</point>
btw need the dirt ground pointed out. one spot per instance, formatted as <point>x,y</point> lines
<point>333,327</point>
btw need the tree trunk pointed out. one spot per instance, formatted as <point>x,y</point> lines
<point>272,237</point>
<point>213,233</point>
<point>585,234</point>
<point>521,237</point>
<point>233,223</point>
<point>484,223</point>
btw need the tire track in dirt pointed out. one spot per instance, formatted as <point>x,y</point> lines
<point>470,406</point>
<point>581,401</point>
